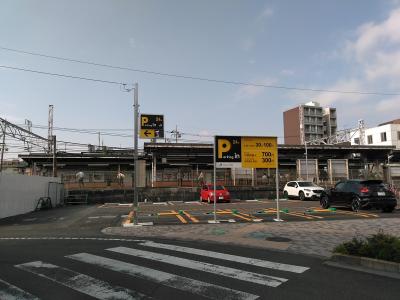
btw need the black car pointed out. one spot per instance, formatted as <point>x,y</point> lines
<point>359,194</point>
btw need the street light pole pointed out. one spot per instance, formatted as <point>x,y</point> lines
<point>305,145</point>
<point>135,153</point>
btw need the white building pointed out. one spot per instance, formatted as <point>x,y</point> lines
<point>386,134</point>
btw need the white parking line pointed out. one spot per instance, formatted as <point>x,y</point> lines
<point>193,202</point>
<point>229,257</point>
<point>104,217</point>
<point>202,266</point>
<point>80,282</point>
<point>11,292</point>
<point>204,289</point>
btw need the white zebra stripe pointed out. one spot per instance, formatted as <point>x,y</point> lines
<point>229,257</point>
<point>204,289</point>
<point>202,266</point>
<point>11,292</point>
<point>80,282</point>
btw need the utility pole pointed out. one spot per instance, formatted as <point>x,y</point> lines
<point>135,153</point>
<point>50,127</point>
<point>99,140</point>
<point>305,145</point>
<point>54,140</point>
<point>2,147</point>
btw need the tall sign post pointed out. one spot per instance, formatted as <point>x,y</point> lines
<point>135,153</point>
<point>248,152</point>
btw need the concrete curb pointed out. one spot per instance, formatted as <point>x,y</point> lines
<point>365,264</point>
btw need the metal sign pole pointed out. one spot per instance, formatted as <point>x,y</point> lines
<point>215,183</point>
<point>135,154</point>
<point>278,217</point>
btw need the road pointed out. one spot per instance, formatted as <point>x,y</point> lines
<point>63,268</point>
<point>62,254</point>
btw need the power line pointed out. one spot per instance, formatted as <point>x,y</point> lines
<point>62,75</point>
<point>192,77</point>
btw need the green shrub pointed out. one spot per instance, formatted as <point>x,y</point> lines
<point>380,246</point>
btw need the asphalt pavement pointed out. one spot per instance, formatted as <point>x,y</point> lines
<point>63,254</point>
<point>74,268</point>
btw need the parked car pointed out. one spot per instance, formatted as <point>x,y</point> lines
<point>358,194</point>
<point>303,190</point>
<point>207,193</point>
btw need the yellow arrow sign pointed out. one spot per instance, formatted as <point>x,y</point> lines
<point>147,133</point>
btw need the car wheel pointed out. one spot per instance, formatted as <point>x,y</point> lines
<point>302,197</point>
<point>355,204</point>
<point>208,200</point>
<point>388,209</point>
<point>324,201</point>
<point>285,195</point>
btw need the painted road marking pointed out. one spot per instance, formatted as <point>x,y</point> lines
<point>229,257</point>
<point>204,289</point>
<point>11,292</point>
<point>80,282</point>
<point>361,214</point>
<point>194,220</point>
<point>240,215</point>
<point>182,219</point>
<point>193,202</point>
<point>68,238</point>
<point>204,267</point>
<point>160,203</point>
<point>295,214</point>
<point>105,217</point>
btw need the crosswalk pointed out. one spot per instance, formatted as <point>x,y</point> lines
<point>123,262</point>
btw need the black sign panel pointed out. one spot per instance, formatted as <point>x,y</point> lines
<point>228,149</point>
<point>151,126</point>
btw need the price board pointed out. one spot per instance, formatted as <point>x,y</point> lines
<point>259,152</point>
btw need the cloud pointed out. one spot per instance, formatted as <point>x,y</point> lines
<point>373,57</point>
<point>388,105</point>
<point>247,92</point>
<point>376,36</point>
<point>132,43</point>
<point>248,43</point>
<point>349,85</point>
<point>266,13</point>
<point>287,72</point>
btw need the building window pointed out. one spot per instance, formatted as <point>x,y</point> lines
<point>370,140</point>
<point>357,141</point>
<point>383,137</point>
<point>398,135</point>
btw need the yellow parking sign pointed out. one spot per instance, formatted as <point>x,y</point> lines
<point>259,152</point>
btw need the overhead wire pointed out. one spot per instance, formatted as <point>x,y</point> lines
<point>62,75</point>
<point>242,83</point>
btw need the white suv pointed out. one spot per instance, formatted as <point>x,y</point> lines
<point>303,190</point>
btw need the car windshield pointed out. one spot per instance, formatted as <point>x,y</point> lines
<point>219,187</point>
<point>307,184</point>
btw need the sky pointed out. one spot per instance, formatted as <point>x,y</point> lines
<point>334,45</point>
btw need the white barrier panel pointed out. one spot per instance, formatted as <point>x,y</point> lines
<point>19,194</point>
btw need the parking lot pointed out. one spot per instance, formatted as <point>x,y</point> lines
<point>181,213</point>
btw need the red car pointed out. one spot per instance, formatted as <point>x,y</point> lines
<point>207,194</point>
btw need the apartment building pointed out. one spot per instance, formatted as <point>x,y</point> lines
<point>385,134</point>
<point>308,122</point>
